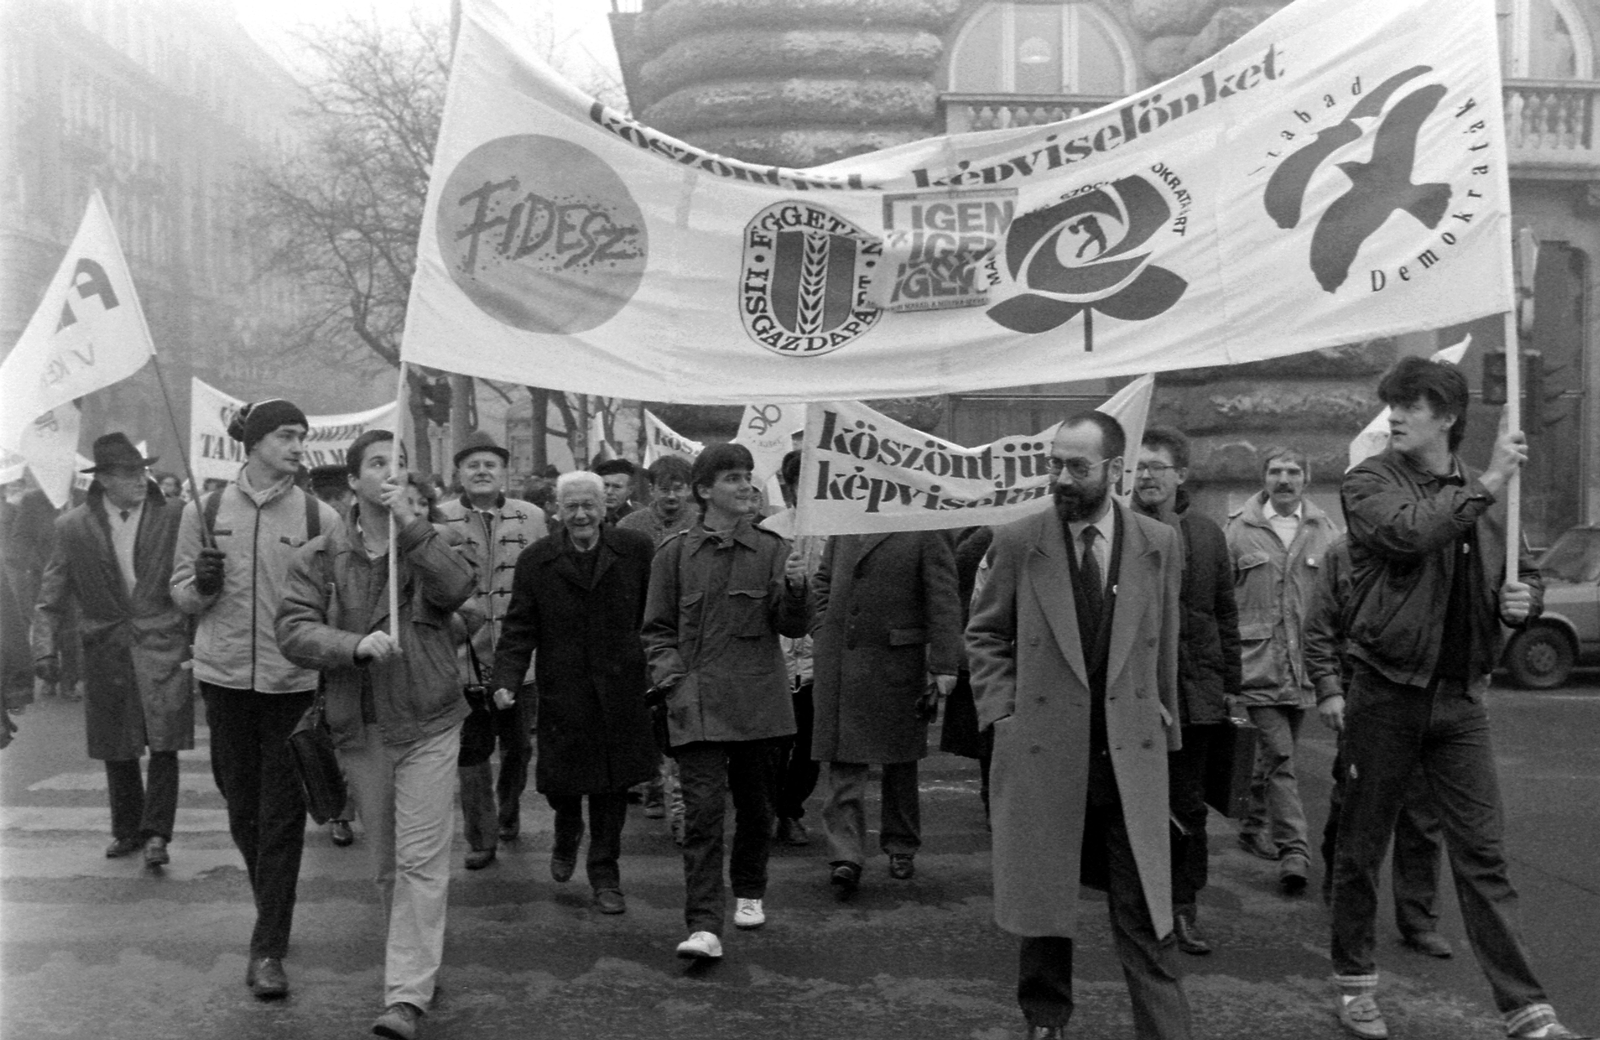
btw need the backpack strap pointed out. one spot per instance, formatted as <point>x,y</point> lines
<point>209,514</point>
<point>313,515</point>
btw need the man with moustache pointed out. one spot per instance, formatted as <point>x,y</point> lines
<point>1208,662</point>
<point>671,509</point>
<point>1073,645</point>
<point>495,530</point>
<point>1278,542</point>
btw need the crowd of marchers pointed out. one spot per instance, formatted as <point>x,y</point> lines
<point>698,652</point>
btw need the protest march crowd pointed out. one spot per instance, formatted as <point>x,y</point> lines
<point>696,650</point>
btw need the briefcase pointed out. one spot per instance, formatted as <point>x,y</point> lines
<point>1229,765</point>
<point>317,764</point>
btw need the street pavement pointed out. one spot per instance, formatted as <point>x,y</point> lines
<point>104,949</point>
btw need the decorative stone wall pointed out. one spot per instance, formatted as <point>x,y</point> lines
<point>804,82</point>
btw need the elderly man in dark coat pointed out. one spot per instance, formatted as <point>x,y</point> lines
<point>578,598</point>
<point>888,617</point>
<point>113,556</point>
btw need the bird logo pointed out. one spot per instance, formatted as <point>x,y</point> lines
<point>1378,187</point>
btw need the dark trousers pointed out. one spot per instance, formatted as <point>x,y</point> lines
<point>844,811</point>
<point>1390,729</point>
<point>797,773</point>
<point>1418,851</point>
<point>708,772</point>
<point>1186,792</point>
<point>135,811</point>
<point>504,800</point>
<point>1150,965</point>
<point>266,806</point>
<point>607,814</point>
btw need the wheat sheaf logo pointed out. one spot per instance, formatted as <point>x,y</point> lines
<point>805,271</point>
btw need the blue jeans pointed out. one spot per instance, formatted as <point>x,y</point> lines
<point>1390,729</point>
<point>1274,789</point>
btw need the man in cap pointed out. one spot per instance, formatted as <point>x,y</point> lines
<point>495,530</point>
<point>233,555</point>
<point>137,695</point>
<point>618,476</point>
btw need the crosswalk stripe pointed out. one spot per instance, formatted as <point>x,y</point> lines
<point>98,819</point>
<point>189,782</point>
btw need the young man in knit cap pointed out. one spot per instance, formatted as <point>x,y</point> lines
<point>496,529</point>
<point>234,549</point>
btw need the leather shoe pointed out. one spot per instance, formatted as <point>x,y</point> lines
<point>561,867</point>
<point>477,859</point>
<point>266,978</point>
<point>1047,1032</point>
<point>1258,845</point>
<point>1430,943</point>
<point>123,847</point>
<point>340,834</point>
<point>610,901</point>
<point>1292,873</point>
<point>901,866</point>
<point>398,1021</point>
<point>846,877</point>
<point>509,831</point>
<point>1190,940</point>
<point>155,852</point>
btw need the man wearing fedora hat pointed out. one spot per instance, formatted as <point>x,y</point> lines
<point>495,529</point>
<point>113,558</point>
<point>234,550</point>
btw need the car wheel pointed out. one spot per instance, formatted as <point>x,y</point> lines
<point>1540,657</point>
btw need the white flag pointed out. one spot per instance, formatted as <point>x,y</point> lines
<point>50,444</point>
<point>661,439</point>
<point>1130,406</point>
<point>862,472</point>
<point>1374,437</point>
<point>215,455</point>
<point>1337,174</point>
<point>768,430</point>
<point>88,332</point>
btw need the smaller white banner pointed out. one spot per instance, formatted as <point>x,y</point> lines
<point>862,472</point>
<point>661,440</point>
<point>768,430</point>
<point>214,454</point>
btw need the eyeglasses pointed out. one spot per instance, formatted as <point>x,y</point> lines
<point>1078,469</point>
<point>1152,469</point>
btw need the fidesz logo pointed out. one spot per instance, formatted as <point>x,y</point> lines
<point>806,269</point>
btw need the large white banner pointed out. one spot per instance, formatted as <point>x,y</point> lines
<point>88,332</point>
<point>661,439</point>
<point>1338,173</point>
<point>214,454</point>
<point>861,471</point>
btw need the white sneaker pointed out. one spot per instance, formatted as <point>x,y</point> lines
<point>748,914</point>
<point>701,946</point>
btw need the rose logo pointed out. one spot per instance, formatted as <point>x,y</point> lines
<point>765,418</point>
<point>1087,254</point>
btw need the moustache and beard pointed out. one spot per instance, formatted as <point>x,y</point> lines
<point>1076,503</point>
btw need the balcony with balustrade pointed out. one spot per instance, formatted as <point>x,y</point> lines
<point>1551,130</point>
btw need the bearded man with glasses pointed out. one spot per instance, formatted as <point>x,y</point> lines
<point>1073,645</point>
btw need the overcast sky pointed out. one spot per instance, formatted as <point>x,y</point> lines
<point>581,26</point>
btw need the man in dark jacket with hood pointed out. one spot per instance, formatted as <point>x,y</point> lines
<point>113,557</point>
<point>1208,662</point>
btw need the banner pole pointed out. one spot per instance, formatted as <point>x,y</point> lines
<point>206,537</point>
<point>1513,422</point>
<point>401,415</point>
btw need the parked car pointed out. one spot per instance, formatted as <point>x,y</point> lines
<point>1542,655</point>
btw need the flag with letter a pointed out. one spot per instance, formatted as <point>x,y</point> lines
<point>89,331</point>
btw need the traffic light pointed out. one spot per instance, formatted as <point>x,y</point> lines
<point>436,399</point>
<point>1494,377</point>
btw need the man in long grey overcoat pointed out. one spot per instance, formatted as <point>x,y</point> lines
<point>888,618</point>
<point>113,557</point>
<point>1073,646</point>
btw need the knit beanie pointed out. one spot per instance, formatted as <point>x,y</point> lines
<point>260,418</point>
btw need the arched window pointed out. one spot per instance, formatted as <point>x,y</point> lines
<point>1040,48</point>
<point>1544,39</point>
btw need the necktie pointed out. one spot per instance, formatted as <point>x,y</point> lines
<point>1089,572</point>
<point>125,513</point>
